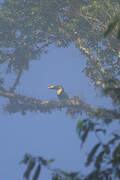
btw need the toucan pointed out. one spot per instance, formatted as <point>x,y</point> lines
<point>61,94</point>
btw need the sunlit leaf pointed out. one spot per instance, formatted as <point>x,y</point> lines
<point>50,161</point>
<point>79,126</point>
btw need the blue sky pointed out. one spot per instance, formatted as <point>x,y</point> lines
<point>48,135</point>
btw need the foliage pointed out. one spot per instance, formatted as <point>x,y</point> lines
<point>27,29</point>
<point>34,163</point>
<point>112,26</point>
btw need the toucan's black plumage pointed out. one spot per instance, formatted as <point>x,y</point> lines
<point>61,94</point>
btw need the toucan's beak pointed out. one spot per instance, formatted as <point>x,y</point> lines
<point>51,87</point>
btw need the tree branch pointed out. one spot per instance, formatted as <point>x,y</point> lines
<point>16,81</point>
<point>74,106</point>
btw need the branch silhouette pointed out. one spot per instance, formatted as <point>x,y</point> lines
<point>75,105</point>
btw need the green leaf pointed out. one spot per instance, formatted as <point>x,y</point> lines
<point>111,26</point>
<point>85,134</point>
<point>118,34</point>
<point>118,172</point>
<point>112,141</point>
<point>37,172</point>
<point>92,153</point>
<point>26,159</point>
<point>50,161</point>
<point>79,126</point>
<point>101,130</point>
<point>63,172</point>
<point>116,152</point>
<point>56,177</point>
<point>43,161</point>
<point>30,167</point>
<point>73,175</point>
<point>99,159</point>
<point>106,149</point>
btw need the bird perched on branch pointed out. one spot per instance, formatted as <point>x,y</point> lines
<point>61,94</point>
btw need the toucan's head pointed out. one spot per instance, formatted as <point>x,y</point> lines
<point>56,87</point>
